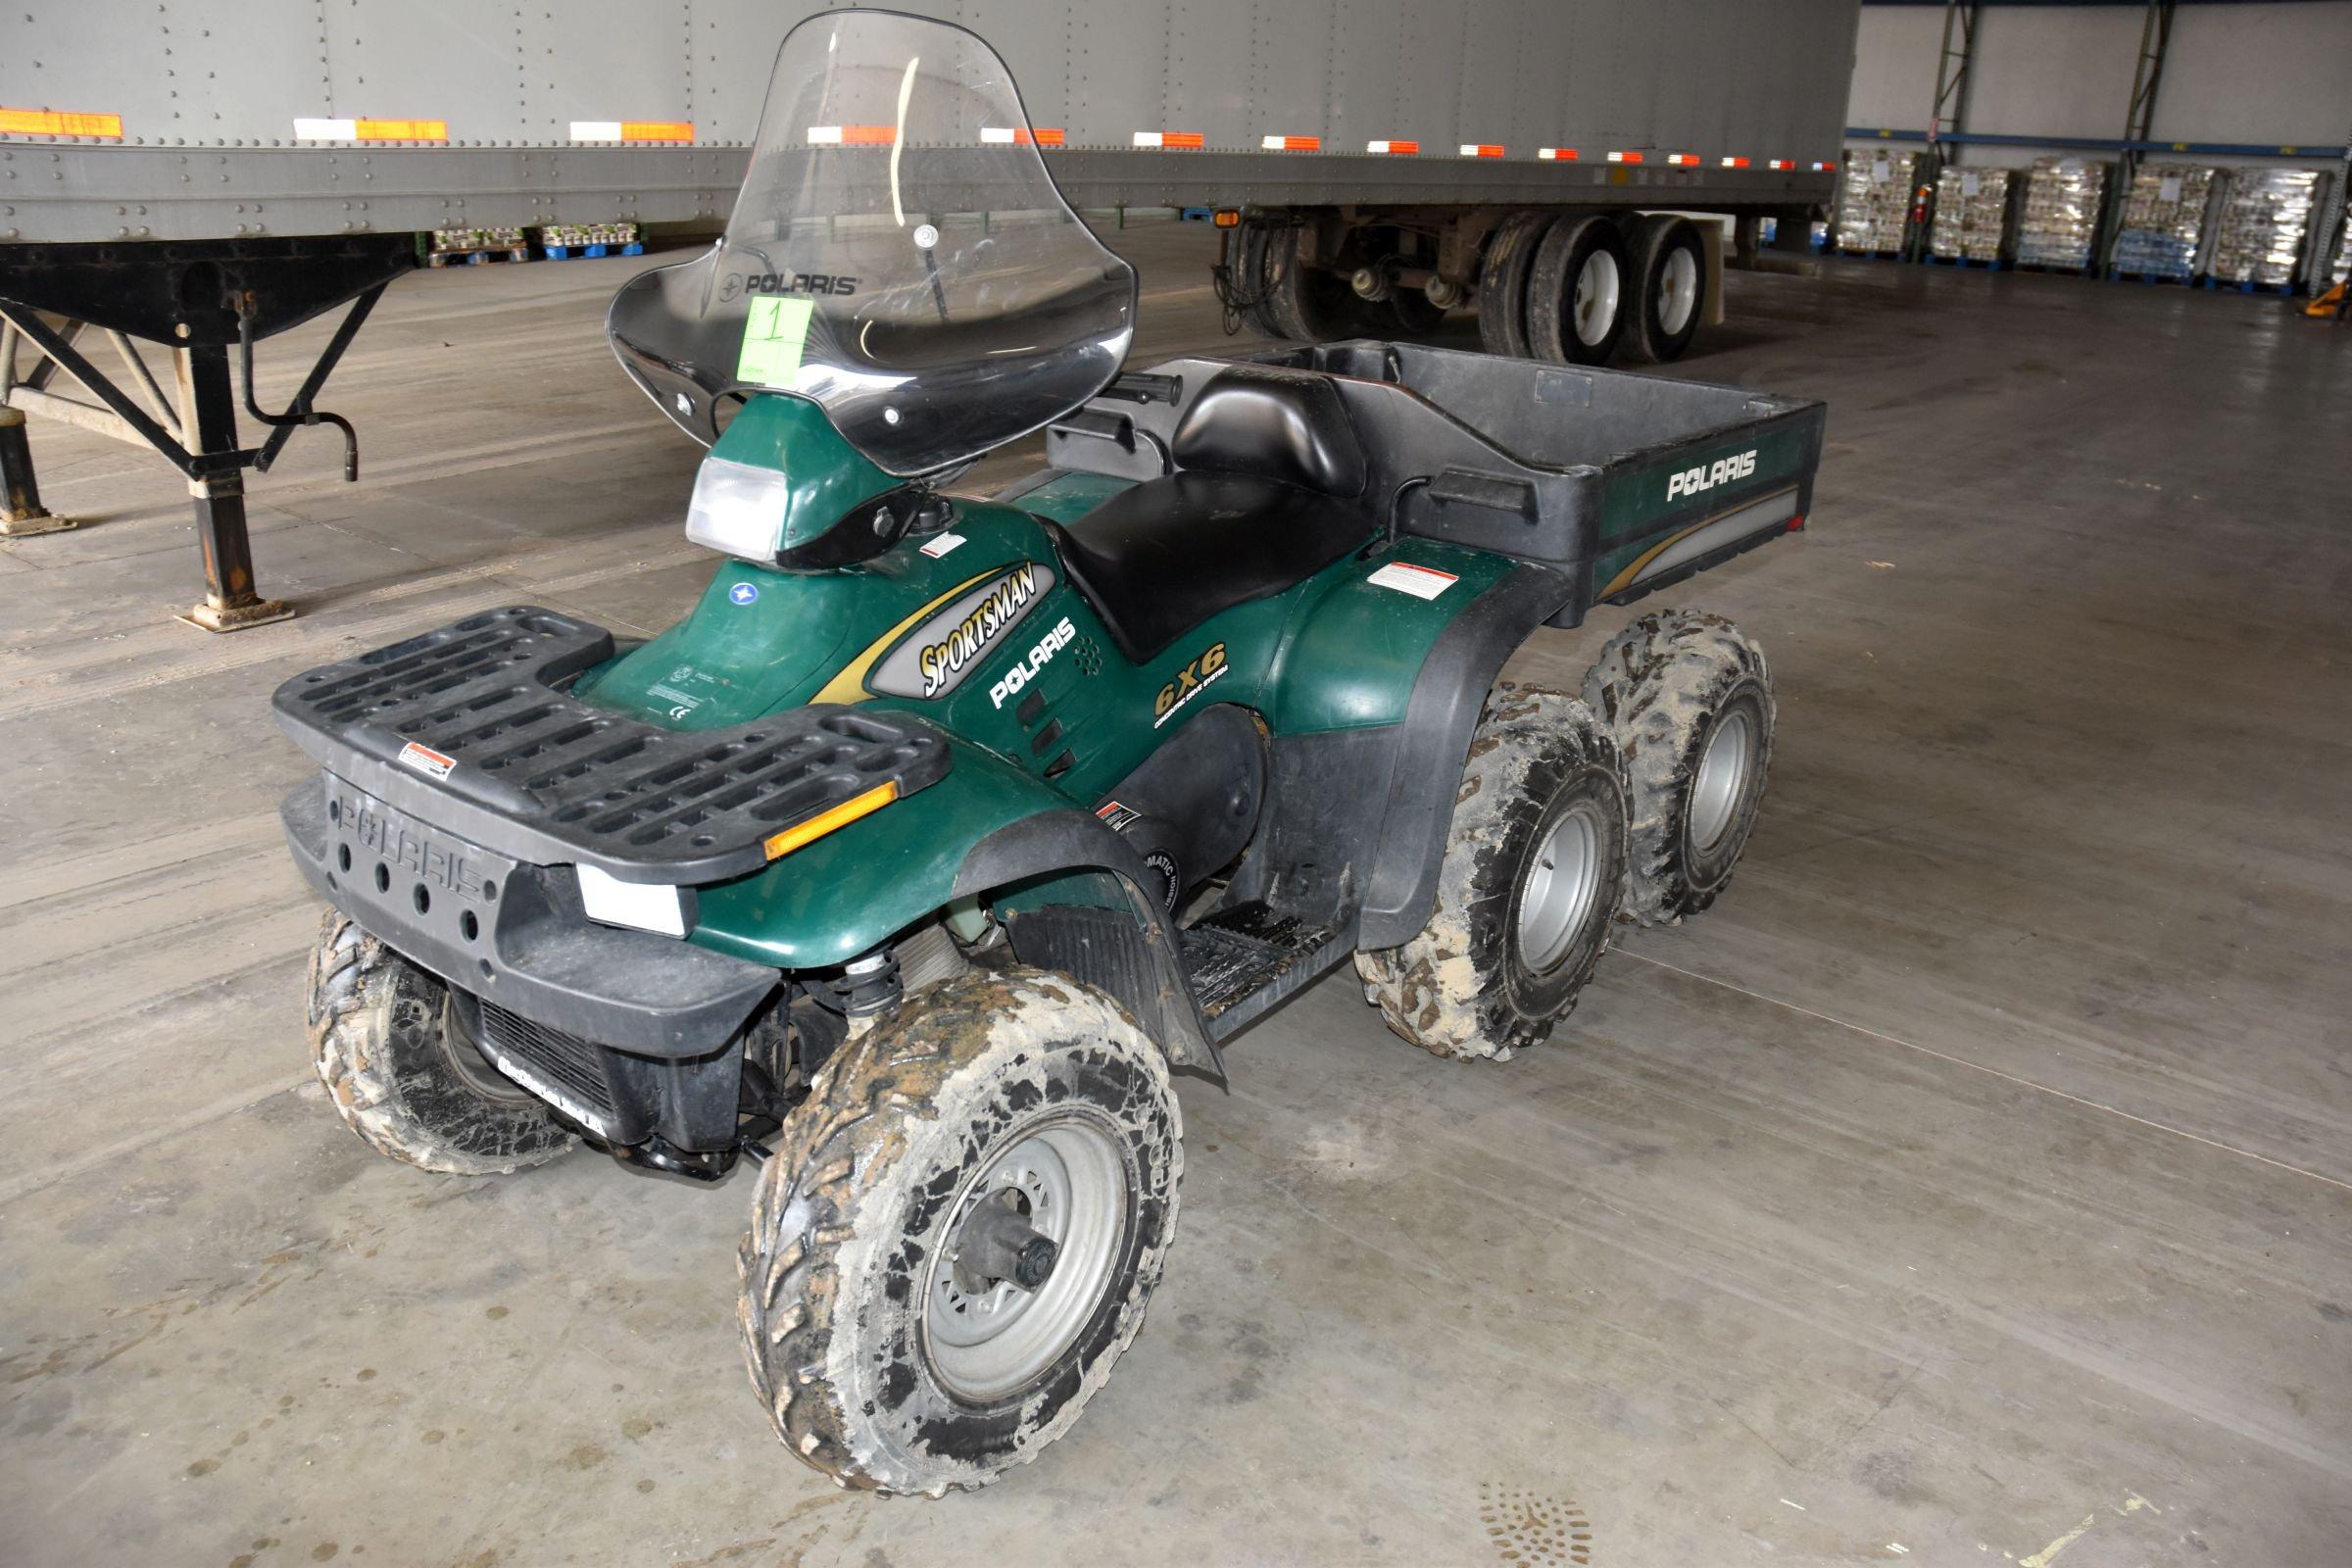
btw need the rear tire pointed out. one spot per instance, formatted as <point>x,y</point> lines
<point>1689,698</point>
<point>1503,282</point>
<point>879,1360</point>
<point>1669,271</point>
<point>403,1071</point>
<point>1527,891</point>
<point>1577,293</point>
<point>1303,302</point>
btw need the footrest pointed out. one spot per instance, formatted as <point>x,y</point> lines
<point>1243,960</point>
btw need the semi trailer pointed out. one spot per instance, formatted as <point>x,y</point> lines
<point>204,174</point>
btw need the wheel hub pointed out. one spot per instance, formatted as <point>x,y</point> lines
<point>1034,1239</point>
<point>1720,779</point>
<point>1596,288</point>
<point>1563,878</point>
<point>1678,296</point>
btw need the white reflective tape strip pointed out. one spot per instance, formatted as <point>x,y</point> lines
<point>596,131</point>
<point>1376,146</point>
<point>824,136</point>
<point>325,130</point>
<point>1272,144</point>
<point>997,135</point>
<point>1146,138</point>
<point>1556,155</point>
<point>1616,157</point>
<point>1469,149</point>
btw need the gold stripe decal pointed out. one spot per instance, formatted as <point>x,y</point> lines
<point>1641,563</point>
<point>848,686</point>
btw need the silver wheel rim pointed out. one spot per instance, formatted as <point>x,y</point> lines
<point>1071,1183</point>
<point>1678,296</point>
<point>1720,780</point>
<point>1561,879</point>
<point>1596,290</point>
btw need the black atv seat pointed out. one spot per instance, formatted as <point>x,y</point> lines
<point>1268,492</point>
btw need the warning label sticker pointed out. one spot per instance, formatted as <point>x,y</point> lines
<point>424,759</point>
<point>1422,583</point>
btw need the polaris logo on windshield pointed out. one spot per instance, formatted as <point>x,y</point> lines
<point>1723,471</point>
<point>834,283</point>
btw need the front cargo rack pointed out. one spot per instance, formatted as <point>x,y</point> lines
<point>469,729</point>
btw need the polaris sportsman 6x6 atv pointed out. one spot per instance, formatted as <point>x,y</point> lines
<point>941,829</point>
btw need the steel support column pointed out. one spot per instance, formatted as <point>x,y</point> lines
<point>1954,62</point>
<point>2155,41</point>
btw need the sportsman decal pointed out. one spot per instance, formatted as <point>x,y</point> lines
<point>935,657</point>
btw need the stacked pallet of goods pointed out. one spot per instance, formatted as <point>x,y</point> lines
<point>564,241</point>
<point>2266,217</point>
<point>2061,218</point>
<point>468,245</point>
<point>2164,221</point>
<point>1972,215</point>
<point>1873,198</point>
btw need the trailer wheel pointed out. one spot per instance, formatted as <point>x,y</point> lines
<point>1689,698</point>
<point>1306,303</point>
<point>1503,282</point>
<point>1251,282</point>
<point>402,1070</point>
<point>960,1231</point>
<point>1577,292</point>
<point>1669,269</point>
<point>1527,889</point>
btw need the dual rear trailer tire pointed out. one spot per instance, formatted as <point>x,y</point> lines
<point>1572,288</point>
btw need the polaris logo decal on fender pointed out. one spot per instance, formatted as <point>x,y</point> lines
<point>938,656</point>
<point>1189,682</point>
<point>1723,471</point>
<point>1019,675</point>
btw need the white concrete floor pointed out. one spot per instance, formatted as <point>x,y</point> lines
<point>1971,1184</point>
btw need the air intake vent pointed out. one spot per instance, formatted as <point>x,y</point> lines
<point>566,1071</point>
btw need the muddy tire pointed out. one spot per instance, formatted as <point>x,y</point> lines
<point>883,1359</point>
<point>1527,891</point>
<point>1689,698</point>
<point>403,1071</point>
<point>1503,282</point>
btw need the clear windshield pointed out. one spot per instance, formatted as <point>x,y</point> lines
<point>897,254</point>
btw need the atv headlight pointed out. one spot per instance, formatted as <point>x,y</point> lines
<point>739,510</point>
<point>640,906</point>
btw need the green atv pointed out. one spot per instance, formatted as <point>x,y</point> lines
<point>942,831</point>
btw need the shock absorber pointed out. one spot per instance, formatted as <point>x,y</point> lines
<point>869,988</point>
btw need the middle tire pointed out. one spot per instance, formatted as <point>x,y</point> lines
<point>1527,891</point>
<point>1577,292</point>
<point>889,1352</point>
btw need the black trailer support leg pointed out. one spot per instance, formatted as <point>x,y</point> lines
<point>209,416</point>
<point>21,509</point>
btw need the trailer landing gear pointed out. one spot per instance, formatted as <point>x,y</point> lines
<point>197,298</point>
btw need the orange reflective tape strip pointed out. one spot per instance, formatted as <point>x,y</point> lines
<point>399,131</point>
<point>657,130</point>
<point>50,123</point>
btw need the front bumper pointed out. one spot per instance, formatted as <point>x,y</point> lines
<point>513,934</point>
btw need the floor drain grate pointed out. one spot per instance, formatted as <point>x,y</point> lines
<point>1531,1530</point>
